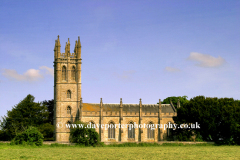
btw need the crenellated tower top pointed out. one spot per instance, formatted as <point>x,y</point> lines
<point>67,54</point>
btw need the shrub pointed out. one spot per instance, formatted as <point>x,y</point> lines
<point>84,135</point>
<point>31,136</point>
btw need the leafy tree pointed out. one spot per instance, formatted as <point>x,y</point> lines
<point>25,113</point>
<point>174,100</point>
<point>219,119</point>
<point>84,135</point>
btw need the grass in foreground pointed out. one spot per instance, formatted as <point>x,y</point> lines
<point>160,152</point>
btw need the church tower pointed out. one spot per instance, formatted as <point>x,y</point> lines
<point>67,88</point>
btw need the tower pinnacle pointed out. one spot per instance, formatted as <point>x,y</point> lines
<point>79,48</point>
<point>79,43</point>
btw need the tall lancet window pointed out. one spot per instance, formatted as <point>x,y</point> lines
<point>150,131</point>
<point>73,73</point>
<point>131,130</point>
<point>68,110</point>
<point>68,94</point>
<point>64,73</point>
<point>111,131</point>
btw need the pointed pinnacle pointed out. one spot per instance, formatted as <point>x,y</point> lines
<point>79,43</point>
<point>58,41</point>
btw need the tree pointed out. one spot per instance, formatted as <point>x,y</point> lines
<point>174,100</point>
<point>219,119</point>
<point>50,106</point>
<point>25,113</point>
<point>47,130</point>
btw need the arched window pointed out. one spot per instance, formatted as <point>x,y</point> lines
<point>68,94</point>
<point>150,131</point>
<point>68,110</point>
<point>64,73</point>
<point>73,72</point>
<point>111,130</point>
<point>131,130</point>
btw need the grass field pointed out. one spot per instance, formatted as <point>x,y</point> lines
<point>161,152</point>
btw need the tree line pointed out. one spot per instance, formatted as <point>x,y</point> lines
<point>219,119</point>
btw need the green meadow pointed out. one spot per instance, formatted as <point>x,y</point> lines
<point>8,151</point>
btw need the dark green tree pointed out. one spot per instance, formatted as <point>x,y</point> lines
<point>25,113</point>
<point>219,119</point>
<point>50,107</point>
<point>47,129</point>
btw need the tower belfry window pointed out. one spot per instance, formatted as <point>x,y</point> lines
<point>73,73</point>
<point>64,73</point>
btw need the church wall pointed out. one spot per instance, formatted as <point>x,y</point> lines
<point>63,137</point>
<point>63,91</point>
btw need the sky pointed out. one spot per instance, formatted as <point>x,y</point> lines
<point>131,49</point>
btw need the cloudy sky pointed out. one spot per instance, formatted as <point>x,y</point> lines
<point>131,49</point>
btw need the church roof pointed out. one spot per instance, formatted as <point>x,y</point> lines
<point>153,108</point>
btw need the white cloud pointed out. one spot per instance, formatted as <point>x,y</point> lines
<point>171,69</point>
<point>29,75</point>
<point>48,70</point>
<point>206,60</point>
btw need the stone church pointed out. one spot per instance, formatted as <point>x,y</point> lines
<point>69,106</point>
